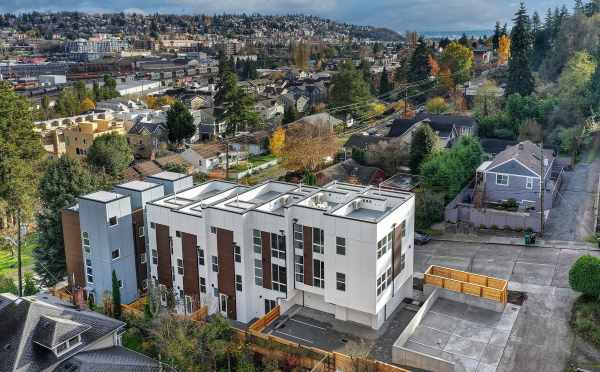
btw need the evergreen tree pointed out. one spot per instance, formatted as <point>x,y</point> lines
<point>578,8</point>
<point>520,79</point>
<point>464,41</point>
<point>384,84</point>
<point>594,86</point>
<point>424,143</point>
<point>349,88</point>
<point>116,296</point>
<point>419,68</point>
<point>180,123</point>
<point>496,37</point>
<point>63,180</point>
<point>536,23</point>
<point>290,114</point>
<point>505,30</point>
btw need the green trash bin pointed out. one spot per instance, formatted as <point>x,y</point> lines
<point>527,238</point>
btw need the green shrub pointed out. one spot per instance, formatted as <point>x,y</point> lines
<point>584,276</point>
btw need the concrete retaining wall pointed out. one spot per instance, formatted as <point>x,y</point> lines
<point>410,358</point>
<point>464,298</point>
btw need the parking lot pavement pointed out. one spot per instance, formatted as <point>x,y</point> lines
<point>541,338</point>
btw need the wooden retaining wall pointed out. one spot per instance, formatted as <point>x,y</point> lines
<point>468,283</point>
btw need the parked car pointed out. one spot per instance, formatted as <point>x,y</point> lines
<point>421,239</point>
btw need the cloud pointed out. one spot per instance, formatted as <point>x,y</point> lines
<point>400,15</point>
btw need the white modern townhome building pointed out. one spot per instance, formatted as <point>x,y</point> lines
<point>343,249</point>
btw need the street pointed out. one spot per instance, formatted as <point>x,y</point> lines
<point>572,216</point>
<point>541,339</point>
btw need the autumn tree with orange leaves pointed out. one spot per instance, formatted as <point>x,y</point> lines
<point>503,49</point>
<point>435,67</point>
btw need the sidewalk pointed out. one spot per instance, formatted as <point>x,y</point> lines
<point>503,240</point>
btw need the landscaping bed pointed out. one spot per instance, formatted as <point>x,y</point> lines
<point>585,319</point>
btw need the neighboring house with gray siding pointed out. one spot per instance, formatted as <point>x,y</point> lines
<point>515,174</point>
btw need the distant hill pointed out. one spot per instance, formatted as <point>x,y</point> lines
<point>380,33</point>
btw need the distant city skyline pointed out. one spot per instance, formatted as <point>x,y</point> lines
<point>398,15</point>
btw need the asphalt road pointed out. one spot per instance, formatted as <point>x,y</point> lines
<point>541,339</point>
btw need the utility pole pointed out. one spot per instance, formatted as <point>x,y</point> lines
<point>542,188</point>
<point>19,265</point>
<point>405,102</point>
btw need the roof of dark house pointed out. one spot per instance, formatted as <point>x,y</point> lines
<point>108,360</point>
<point>401,126</point>
<point>347,171</point>
<point>495,146</point>
<point>152,128</point>
<point>402,181</point>
<point>362,142</point>
<point>441,124</point>
<point>30,327</point>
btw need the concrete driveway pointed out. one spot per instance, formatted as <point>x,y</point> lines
<point>541,339</point>
<point>572,215</point>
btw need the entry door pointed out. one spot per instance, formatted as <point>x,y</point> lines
<point>269,305</point>
<point>223,304</point>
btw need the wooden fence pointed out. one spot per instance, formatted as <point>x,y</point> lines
<point>263,322</point>
<point>469,283</point>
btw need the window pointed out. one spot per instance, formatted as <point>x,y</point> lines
<point>213,230</point>
<point>177,233</point>
<point>215,292</point>
<point>299,263</point>
<point>142,258</point>
<point>384,245</point>
<point>298,236</point>
<point>61,348</point>
<point>318,239</point>
<point>112,221</point>
<point>529,183</point>
<point>141,231</point>
<point>215,264</point>
<point>188,304</point>
<point>502,179</point>
<point>238,283</point>
<point>340,281</point>
<point>85,242</point>
<point>403,228</point>
<point>279,278</point>
<point>402,261</point>
<point>179,266</point>
<point>384,280</point>
<point>155,257</point>
<point>237,253</point>
<point>319,273</point>
<point>258,272</point>
<point>278,246</point>
<point>202,285</point>
<point>89,271</point>
<point>340,246</point>
<point>200,256</point>
<point>116,253</point>
<point>256,241</point>
<point>152,225</point>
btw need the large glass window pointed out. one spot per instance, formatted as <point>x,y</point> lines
<point>298,236</point>
<point>258,272</point>
<point>279,278</point>
<point>215,264</point>
<point>340,246</point>
<point>299,263</point>
<point>278,246</point>
<point>256,241</point>
<point>319,273</point>
<point>85,242</point>
<point>340,281</point>
<point>384,280</point>
<point>318,240</point>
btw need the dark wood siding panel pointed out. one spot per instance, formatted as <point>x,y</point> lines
<point>308,255</point>
<point>191,281</point>
<point>163,246</point>
<point>73,248</point>
<point>139,247</point>
<point>266,259</point>
<point>397,251</point>
<point>226,275</point>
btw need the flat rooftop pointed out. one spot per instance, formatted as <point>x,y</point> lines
<point>137,185</point>
<point>168,176</point>
<point>274,197</point>
<point>102,196</point>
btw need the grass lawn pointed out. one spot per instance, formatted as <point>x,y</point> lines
<point>585,319</point>
<point>252,162</point>
<point>8,264</point>
<point>273,172</point>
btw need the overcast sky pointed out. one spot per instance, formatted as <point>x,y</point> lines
<point>399,15</point>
